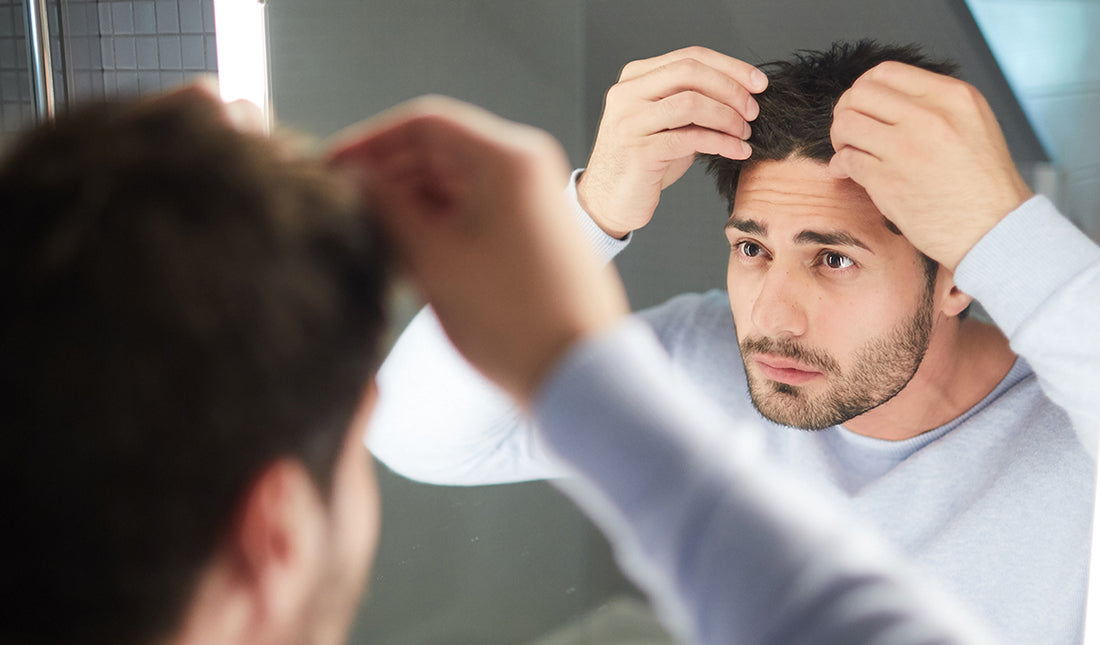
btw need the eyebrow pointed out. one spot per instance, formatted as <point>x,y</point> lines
<point>828,238</point>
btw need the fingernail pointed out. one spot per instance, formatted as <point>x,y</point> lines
<point>746,131</point>
<point>746,150</point>
<point>759,80</point>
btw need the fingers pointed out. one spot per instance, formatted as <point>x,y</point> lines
<point>740,71</point>
<point>856,130</point>
<point>690,74</point>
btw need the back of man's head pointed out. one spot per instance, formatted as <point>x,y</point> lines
<point>796,110</point>
<point>185,303</point>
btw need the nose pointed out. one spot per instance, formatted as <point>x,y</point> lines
<point>778,309</point>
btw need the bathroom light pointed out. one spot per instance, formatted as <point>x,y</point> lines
<point>241,28</point>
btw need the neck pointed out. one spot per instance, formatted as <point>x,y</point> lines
<point>964,363</point>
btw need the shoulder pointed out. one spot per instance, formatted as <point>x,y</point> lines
<point>695,314</point>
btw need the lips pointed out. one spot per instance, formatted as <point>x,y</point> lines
<point>785,370</point>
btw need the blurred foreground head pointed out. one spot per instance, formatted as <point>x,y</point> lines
<point>189,329</point>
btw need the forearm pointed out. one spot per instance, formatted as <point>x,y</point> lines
<point>441,422</point>
<point>728,549</point>
<point>1039,279</point>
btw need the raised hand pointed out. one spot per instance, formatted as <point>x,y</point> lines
<point>930,154</point>
<point>475,207</point>
<point>660,113</point>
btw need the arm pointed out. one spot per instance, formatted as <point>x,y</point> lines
<point>729,550</point>
<point>438,420</point>
<point>929,152</point>
<point>1050,311</point>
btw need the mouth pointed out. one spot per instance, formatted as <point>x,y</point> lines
<point>785,370</point>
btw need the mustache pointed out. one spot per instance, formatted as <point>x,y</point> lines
<point>788,348</point>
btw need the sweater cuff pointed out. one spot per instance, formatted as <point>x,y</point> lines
<point>1024,260</point>
<point>606,247</point>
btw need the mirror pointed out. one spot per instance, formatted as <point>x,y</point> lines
<point>549,63</point>
<point>517,563</point>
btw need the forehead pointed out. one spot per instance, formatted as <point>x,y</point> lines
<point>800,193</point>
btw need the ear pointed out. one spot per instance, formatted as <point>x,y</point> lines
<point>950,299</point>
<point>276,545</point>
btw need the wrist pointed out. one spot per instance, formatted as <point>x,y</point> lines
<point>595,210</point>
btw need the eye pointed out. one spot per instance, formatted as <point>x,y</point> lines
<point>835,260</point>
<point>749,248</point>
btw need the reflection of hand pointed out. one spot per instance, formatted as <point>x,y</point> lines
<point>662,111</point>
<point>929,152</point>
<point>475,208</point>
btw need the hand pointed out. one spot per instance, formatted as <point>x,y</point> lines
<point>475,208</point>
<point>930,154</point>
<point>661,113</point>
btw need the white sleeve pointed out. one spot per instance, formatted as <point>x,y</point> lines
<point>1038,276</point>
<point>729,549</point>
<point>439,421</point>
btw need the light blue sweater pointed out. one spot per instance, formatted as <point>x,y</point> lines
<point>996,505</point>
<point>726,545</point>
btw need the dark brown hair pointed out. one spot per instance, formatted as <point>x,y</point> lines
<point>796,110</point>
<point>185,304</point>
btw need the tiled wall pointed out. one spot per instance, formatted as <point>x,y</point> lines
<point>148,45</point>
<point>15,88</point>
<point>111,48</point>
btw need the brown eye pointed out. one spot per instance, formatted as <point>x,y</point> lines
<point>750,249</point>
<point>837,261</point>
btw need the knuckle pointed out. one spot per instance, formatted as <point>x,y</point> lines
<point>629,70</point>
<point>693,51</point>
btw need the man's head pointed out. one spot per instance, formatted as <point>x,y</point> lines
<point>188,335</point>
<point>834,307</point>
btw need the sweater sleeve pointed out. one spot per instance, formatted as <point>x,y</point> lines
<point>1038,276</point>
<point>727,547</point>
<point>439,421</point>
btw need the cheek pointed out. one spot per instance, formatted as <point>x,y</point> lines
<point>741,295</point>
<point>359,508</point>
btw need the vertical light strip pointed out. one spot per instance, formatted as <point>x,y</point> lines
<point>41,67</point>
<point>241,27</point>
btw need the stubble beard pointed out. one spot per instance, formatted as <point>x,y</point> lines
<point>882,367</point>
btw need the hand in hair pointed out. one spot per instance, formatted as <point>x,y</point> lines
<point>475,207</point>
<point>929,152</point>
<point>660,113</point>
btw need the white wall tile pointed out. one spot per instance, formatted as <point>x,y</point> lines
<point>107,52</point>
<point>105,23</point>
<point>191,17</point>
<point>145,17</point>
<point>171,79</point>
<point>7,21</point>
<point>211,53</point>
<point>168,17</point>
<point>127,83</point>
<point>7,52</point>
<point>122,18</point>
<point>193,50</point>
<point>147,52</point>
<point>9,86</point>
<point>208,15</point>
<point>125,52</point>
<point>149,82</point>
<point>171,56</point>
